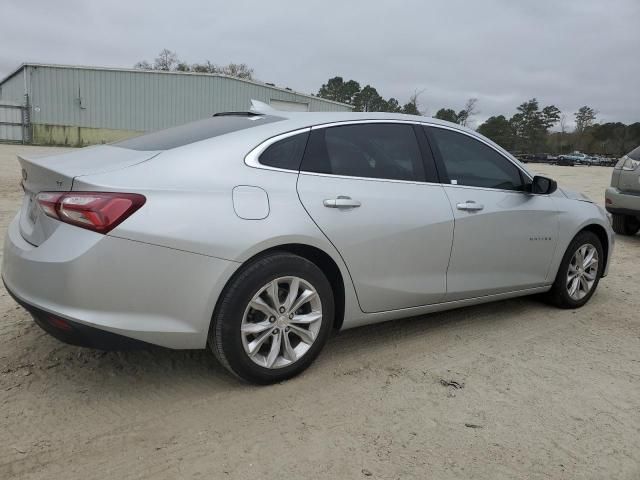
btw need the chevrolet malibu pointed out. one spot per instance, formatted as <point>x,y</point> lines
<point>256,234</point>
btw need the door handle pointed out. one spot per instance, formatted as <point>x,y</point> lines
<point>470,206</point>
<point>341,201</point>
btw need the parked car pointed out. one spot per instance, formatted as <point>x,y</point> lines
<point>565,161</point>
<point>257,234</point>
<point>576,158</point>
<point>622,198</point>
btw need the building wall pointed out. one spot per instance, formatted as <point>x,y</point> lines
<point>12,90</point>
<point>142,101</point>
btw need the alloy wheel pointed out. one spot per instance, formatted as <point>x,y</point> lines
<point>281,322</point>
<point>582,272</point>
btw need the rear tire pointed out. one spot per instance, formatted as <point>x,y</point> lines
<point>277,339</point>
<point>625,224</point>
<point>572,269</point>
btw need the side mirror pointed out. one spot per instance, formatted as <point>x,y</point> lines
<point>543,185</point>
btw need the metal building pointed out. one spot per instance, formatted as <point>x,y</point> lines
<point>73,105</point>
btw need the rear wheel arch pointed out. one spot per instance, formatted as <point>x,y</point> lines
<point>322,260</point>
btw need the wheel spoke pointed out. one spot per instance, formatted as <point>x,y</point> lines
<point>591,275</point>
<point>259,304</point>
<point>274,352</point>
<point>257,327</point>
<point>573,287</point>
<point>272,293</point>
<point>307,318</point>
<point>304,297</point>
<point>584,286</point>
<point>305,335</point>
<point>289,352</point>
<point>588,260</point>
<point>591,263</point>
<point>294,285</point>
<point>255,345</point>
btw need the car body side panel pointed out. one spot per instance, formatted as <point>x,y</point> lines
<point>155,294</point>
<point>508,245</point>
<point>574,216</point>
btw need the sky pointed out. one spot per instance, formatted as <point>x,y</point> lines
<point>567,53</point>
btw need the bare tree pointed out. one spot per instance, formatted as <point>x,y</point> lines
<point>563,130</point>
<point>143,65</point>
<point>238,70</point>
<point>563,123</point>
<point>413,106</point>
<point>467,112</point>
<point>166,60</point>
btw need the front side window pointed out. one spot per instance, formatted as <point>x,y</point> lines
<point>471,162</point>
<point>371,150</point>
<point>286,153</point>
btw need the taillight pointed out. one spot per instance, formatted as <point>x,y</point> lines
<point>97,211</point>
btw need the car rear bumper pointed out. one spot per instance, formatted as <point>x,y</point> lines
<point>130,289</point>
<point>75,333</point>
<point>618,202</point>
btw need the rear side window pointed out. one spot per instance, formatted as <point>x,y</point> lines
<point>471,162</point>
<point>286,153</point>
<point>194,132</point>
<point>372,150</point>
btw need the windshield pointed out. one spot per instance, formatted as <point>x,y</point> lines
<point>194,132</point>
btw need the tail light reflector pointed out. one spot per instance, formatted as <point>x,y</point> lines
<point>97,211</point>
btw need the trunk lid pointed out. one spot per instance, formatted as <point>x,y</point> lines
<point>57,173</point>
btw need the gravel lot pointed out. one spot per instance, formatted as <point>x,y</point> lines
<point>539,393</point>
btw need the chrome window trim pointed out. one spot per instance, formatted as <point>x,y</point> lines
<point>429,124</point>
<point>369,179</point>
<point>252,159</point>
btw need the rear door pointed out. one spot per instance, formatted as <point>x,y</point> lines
<point>504,237</point>
<point>365,186</point>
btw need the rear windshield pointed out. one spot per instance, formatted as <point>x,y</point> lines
<point>194,132</point>
<point>634,154</point>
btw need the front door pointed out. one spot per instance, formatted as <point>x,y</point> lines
<point>504,237</point>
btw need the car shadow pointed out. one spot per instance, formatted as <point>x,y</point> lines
<point>83,369</point>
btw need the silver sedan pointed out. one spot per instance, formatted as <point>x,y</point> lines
<point>257,234</point>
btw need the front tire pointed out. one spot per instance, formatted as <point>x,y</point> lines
<point>579,272</point>
<point>272,319</point>
<point>625,224</point>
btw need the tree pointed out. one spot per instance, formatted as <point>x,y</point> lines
<point>169,61</point>
<point>585,116</point>
<point>412,107</point>
<point>166,60</point>
<point>467,112</point>
<point>237,70</point>
<point>550,116</point>
<point>393,106</point>
<point>531,126</point>
<point>369,100</point>
<point>338,90</point>
<point>498,129</point>
<point>447,114</point>
<point>143,65</point>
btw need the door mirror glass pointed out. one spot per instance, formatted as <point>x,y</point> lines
<point>543,185</point>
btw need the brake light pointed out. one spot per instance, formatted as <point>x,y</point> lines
<point>97,211</point>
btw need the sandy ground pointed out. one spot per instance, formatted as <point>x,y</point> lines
<point>544,393</point>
